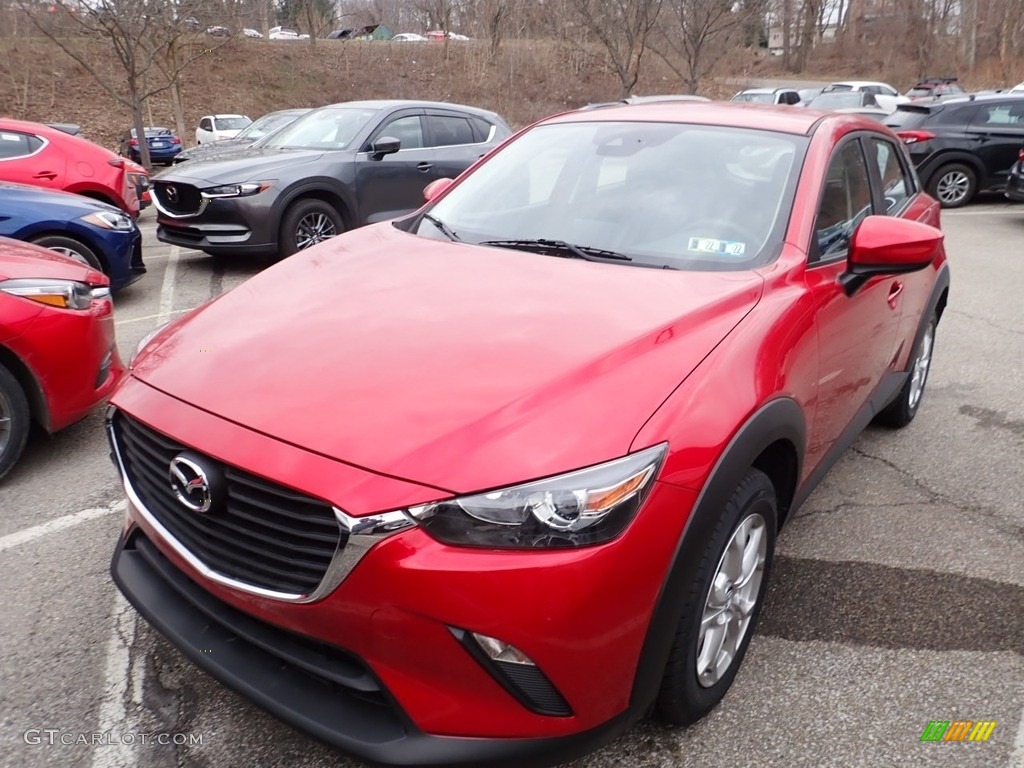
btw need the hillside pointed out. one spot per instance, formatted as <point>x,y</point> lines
<point>525,82</point>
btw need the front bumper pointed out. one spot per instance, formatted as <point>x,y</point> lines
<point>1015,183</point>
<point>320,689</point>
<point>581,615</point>
<point>224,226</point>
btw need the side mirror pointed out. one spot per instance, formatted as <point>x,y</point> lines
<point>885,245</point>
<point>385,145</point>
<point>434,189</point>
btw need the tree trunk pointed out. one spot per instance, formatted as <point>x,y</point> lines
<point>140,132</point>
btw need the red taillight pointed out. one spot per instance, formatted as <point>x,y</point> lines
<point>175,140</point>
<point>913,137</point>
<point>134,142</point>
<point>117,162</point>
<point>1020,155</point>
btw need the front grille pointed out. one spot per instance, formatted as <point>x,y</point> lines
<point>177,198</point>
<point>265,535</point>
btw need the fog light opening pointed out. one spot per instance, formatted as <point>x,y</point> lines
<point>499,650</point>
<point>514,671</point>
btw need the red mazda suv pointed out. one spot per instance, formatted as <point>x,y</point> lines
<point>486,482</point>
<point>44,156</point>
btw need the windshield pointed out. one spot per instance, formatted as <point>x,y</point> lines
<point>662,194</point>
<point>230,123</point>
<point>263,126</point>
<point>327,128</point>
<point>838,100</point>
<point>761,98</point>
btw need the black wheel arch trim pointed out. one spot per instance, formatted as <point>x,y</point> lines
<point>935,164</point>
<point>778,419</point>
<point>317,189</point>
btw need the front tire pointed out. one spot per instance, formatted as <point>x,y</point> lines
<point>14,421</point>
<point>723,604</point>
<point>74,249</point>
<point>953,185</point>
<point>306,223</point>
<point>903,409</point>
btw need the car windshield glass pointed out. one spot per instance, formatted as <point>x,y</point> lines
<point>263,126</point>
<point>837,100</point>
<point>665,195</point>
<point>762,98</point>
<point>230,123</point>
<point>327,128</point>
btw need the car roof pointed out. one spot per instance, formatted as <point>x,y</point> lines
<point>730,114</point>
<point>383,104</point>
<point>858,83</point>
<point>960,99</point>
<point>767,90</point>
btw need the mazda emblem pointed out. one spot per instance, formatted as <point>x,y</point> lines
<point>172,193</point>
<point>192,483</point>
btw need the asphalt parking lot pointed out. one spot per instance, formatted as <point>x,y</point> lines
<point>897,596</point>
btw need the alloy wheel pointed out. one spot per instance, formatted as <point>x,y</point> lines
<point>313,228</point>
<point>919,375</point>
<point>731,599</point>
<point>71,253</point>
<point>953,187</point>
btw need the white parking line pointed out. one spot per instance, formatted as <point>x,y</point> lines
<point>167,288</point>
<point>148,317</point>
<point>122,685</point>
<point>1019,211</point>
<point>1017,756</point>
<point>58,524</point>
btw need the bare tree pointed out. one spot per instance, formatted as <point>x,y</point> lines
<point>623,29</point>
<point>139,33</point>
<point>697,34</point>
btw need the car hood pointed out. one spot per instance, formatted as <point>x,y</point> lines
<point>209,150</point>
<point>70,204</point>
<point>23,260</point>
<point>253,164</point>
<point>452,365</point>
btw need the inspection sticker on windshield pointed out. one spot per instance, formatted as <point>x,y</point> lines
<point>711,245</point>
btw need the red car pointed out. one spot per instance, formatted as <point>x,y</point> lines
<point>37,154</point>
<point>487,482</point>
<point>58,358</point>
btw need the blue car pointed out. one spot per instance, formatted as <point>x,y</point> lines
<point>87,230</point>
<point>164,145</point>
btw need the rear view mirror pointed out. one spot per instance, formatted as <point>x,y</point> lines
<point>434,189</point>
<point>885,245</point>
<point>385,145</point>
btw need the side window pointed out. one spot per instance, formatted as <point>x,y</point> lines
<point>408,130</point>
<point>450,131</point>
<point>845,202</point>
<point>895,186</point>
<point>481,129</point>
<point>205,124</point>
<point>14,145</point>
<point>1001,114</point>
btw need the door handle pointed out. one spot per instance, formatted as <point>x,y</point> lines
<point>424,167</point>
<point>894,293</point>
<point>48,175</point>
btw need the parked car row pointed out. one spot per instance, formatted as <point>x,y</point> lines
<point>960,143</point>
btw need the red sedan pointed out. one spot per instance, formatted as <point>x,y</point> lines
<point>58,359</point>
<point>487,482</point>
<point>37,154</point>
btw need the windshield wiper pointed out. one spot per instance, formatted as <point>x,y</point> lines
<point>444,228</point>
<point>560,248</point>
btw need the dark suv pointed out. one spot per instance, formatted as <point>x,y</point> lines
<point>962,146</point>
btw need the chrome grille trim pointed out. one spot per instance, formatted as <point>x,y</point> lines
<point>362,534</point>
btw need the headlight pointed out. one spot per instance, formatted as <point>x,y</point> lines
<point>66,294</point>
<point>236,190</point>
<point>110,220</point>
<point>588,506</point>
<point>143,342</point>
<point>138,179</point>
